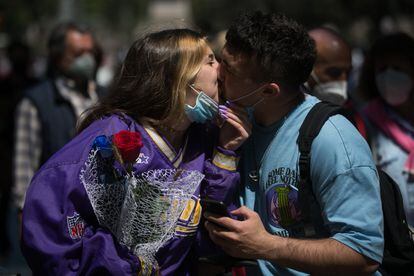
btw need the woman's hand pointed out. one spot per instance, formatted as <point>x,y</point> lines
<point>237,127</point>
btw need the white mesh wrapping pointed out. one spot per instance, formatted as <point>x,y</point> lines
<point>106,198</point>
<point>141,211</point>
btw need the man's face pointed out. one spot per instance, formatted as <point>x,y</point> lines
<point>76,44</point>
<point>235,76</point>
<point>333,64</point>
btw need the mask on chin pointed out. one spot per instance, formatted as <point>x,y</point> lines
<point>205,108</point>
<point>83,67</point>
<point>334,91</point>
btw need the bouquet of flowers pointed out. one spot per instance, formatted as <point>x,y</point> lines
<point>141,210</point>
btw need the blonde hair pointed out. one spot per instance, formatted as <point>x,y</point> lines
<point>154,77</point>
<point>189,64</point>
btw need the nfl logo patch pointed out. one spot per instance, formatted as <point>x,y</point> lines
<point>76,226</point>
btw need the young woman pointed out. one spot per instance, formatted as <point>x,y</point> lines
<point>152,128</point>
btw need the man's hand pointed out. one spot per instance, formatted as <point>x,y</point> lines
<point>249,239</point>
<point>236,129</point>
<point>243,239</point>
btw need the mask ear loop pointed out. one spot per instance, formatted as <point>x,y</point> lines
<point>193,88</point>
<point>315,77</point>
<point>259,101</point>
<point>201,94</point>
<point>247,95</point>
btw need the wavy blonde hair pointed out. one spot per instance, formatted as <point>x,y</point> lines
<point>154,78</point>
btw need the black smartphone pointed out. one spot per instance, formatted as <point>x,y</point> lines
<point>214,207</point>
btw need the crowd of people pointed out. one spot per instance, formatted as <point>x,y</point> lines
<point>101,176</point>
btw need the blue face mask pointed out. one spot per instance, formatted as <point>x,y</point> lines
<point>205,108</point>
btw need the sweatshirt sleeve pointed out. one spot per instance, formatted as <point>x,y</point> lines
<point>220,183</point>
<point>60,234</point>
<point>221,178</point>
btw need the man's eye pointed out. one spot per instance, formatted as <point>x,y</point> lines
<point>335,72</point>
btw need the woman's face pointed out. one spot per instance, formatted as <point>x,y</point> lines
<point>206,78</point>
<point>394,79</point>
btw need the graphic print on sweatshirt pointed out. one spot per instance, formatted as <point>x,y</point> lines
<point>283,209</point>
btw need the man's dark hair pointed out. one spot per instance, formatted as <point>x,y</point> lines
<point>283,49</point>
<point>56,43</point>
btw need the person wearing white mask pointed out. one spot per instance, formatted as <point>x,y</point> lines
<point>387,83</point>
<point>328,80</point>
<point>46,115</point>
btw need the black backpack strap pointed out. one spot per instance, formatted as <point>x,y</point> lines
<point>308,131</point>
<point>398,256</point>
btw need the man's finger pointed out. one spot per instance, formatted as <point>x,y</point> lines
<point>225,222</point>
<point>244,212</point>
<point>217,232</point>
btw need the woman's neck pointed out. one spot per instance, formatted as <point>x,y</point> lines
<point>175,133</point>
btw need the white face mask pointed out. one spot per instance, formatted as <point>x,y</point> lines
<point>394,86</point>
<point>333,91</point>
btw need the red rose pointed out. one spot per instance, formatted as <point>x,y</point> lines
<point>129,144</point>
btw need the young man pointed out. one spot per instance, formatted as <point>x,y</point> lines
<point>264,62</point>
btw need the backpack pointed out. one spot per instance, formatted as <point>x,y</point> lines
<point>398,256</point>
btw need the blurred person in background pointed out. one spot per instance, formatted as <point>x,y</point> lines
<point>387,83</point>
<point>329,78</point>
<point>12,86</point>
<point>47,114</point>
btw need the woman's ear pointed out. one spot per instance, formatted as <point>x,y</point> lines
<point>271,90</point>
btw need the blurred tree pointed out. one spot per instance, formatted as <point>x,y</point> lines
<point>19,14</point>
<point>114,15</point>
<point>215,15</point>
<point>117,15</point>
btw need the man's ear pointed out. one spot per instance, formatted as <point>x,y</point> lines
<point>271,90</point>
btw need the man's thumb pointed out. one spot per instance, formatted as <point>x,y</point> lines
<point>243,212</point>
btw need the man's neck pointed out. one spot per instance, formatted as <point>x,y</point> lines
<point>268,113</point>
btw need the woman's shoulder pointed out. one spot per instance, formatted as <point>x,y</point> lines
<point>76,150</point>
<point>110,124</point>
